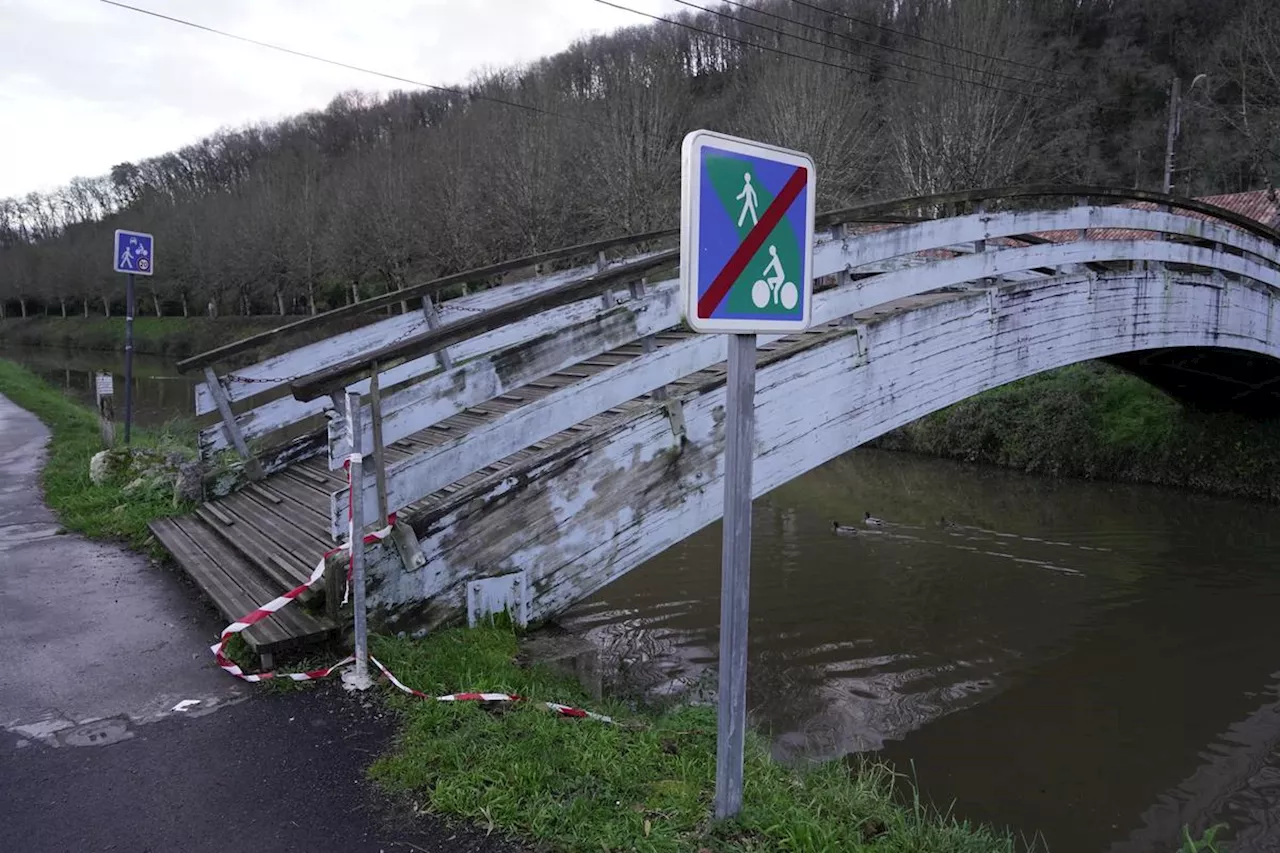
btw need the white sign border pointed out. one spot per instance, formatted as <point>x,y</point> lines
<point>115,246</point>
<point>690,206</point>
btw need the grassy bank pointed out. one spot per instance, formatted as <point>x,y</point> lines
<point>1094,421</point>
<point>646,784</point>
<point>172,337</point>
<point>101,511</point>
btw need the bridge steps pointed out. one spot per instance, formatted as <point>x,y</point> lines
<point>253,545</point>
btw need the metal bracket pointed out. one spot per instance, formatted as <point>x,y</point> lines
<point>488,597</point>
<point>410,550</point>
<point>675,414</point>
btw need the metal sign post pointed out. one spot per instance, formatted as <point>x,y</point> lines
<point>746,254</point>
<point>357,678</point>
<point>134,255</point>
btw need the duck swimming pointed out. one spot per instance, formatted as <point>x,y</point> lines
<point>871,521</point>
<point>843,529</point>
<point>947,525</point>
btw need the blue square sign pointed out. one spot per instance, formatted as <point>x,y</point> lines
<point>134,253</point>
<point>746,235</point>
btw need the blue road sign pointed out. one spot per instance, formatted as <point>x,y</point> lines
<point>746,235</point>
<point>134,253</point>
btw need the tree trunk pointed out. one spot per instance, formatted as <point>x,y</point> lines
<point>213,309</point>
<point>23,304</point>
<point>155,297</point>
<point>280,301</point>
<point>184,306</point>
<point>63,302</point>
<point>106,307</point>
<point>86,309</point>
<point>355,291</point>
<point>311,297</point>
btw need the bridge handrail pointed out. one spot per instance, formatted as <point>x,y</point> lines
<point>322,382</point>
<point>868,212</point>
<point>426,288</point>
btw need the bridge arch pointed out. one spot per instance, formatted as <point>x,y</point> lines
<point>579,518</point>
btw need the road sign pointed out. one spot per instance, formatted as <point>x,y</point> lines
<point>746,235</point>
<point>134,253</point>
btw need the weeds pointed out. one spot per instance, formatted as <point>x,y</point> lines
<point>644,785</point>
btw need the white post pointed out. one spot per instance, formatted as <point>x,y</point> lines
<point>735,574</point>
<point>357,678</point>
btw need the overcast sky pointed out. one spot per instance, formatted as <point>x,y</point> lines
<point>85,85</point>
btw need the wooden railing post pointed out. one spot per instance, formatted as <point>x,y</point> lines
<point>379,452</point>
<point>229,425</point>
<point>433,322</point>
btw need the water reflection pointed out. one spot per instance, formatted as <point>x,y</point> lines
<point>160,392</point>
<point>1096,662</point>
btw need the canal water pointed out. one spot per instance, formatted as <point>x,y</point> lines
<point>1096,663</point>
<point>161,394</point>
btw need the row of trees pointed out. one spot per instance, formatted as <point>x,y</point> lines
<point>891,97</point>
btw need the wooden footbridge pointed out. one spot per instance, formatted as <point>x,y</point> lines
<point>539,438</point>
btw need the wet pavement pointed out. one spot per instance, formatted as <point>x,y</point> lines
<point>118,733</point>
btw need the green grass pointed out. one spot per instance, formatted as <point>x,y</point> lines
<point>1094,421</point>
<point>645,785</point>
<point>101,512</point>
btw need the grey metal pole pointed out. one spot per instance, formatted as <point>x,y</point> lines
<point>358,678</point>
<point>735,574</point>
<point>128,359</point>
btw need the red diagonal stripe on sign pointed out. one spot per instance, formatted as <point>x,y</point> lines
<point>773,214</point>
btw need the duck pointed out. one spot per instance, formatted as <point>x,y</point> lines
<point>946,525</point>
<point>871,521</point>
<point>843,529</point>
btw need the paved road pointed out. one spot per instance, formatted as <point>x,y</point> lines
<point>97,646</point>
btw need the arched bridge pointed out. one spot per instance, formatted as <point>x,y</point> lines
<point>539,439</point>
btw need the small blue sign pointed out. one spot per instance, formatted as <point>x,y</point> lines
<point>134,253</point>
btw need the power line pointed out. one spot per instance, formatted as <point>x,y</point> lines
<point>924,39</point>
<point>746,43</point>
<point>822,44</point>
<point>856,40</point>
<point>466,94</point>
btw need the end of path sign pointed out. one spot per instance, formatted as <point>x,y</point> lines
<point>134,253</point>
<point>746,235</point>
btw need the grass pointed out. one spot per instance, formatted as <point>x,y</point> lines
<point>1094,421</point>
<point>99,511</point>
<point>645,785</point>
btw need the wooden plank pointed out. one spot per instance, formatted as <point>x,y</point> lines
<point>438,397</point>
<point>254,380</point>
<point>338,375</point>
<point>425,289</point>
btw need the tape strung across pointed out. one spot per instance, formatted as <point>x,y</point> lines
<point>219,649</point>
<point>562,710</point>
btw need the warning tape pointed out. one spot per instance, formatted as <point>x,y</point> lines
<point>229,666</point>
<point>562,710</point>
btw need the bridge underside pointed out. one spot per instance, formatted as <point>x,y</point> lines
<point>1210,379</point>
<point>564,523</point>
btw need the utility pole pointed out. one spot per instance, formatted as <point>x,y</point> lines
<point>1175,117</point>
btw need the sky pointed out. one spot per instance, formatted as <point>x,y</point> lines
<point>85,85</point>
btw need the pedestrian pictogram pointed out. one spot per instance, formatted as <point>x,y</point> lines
<point>746,235</point>
<point>134,253</point>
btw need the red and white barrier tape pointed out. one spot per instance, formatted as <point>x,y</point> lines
<point>562,710</point>
<point>219,649</point>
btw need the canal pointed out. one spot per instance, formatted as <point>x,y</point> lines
<point>1094,662</point>
<point>161,394</point>
<point>1098,663</point>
